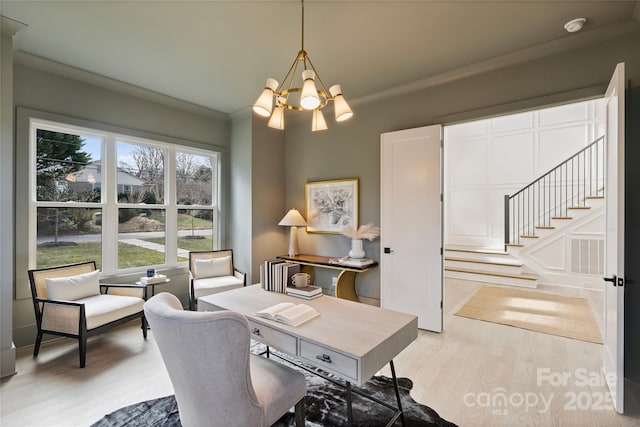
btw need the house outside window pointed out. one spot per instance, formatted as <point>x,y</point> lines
<point>100,196</point>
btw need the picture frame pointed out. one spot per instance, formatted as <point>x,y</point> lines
<point>331,205</point>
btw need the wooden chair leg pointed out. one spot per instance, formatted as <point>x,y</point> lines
<point>36,349</point>
<point>300,413</point>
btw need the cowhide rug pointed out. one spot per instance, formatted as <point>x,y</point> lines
<point>325,406</point>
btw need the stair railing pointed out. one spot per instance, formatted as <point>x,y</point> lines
<point>550,197</point>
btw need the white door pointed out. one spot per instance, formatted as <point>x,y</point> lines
<point>613,357</point>
<point>411,224</point>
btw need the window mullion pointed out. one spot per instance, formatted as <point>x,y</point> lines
<point>110,208</point>
<point>171,214</point>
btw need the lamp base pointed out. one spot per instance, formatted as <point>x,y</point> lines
<point>293,242</point>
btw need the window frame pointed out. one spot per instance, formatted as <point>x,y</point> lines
<point>109,203</point>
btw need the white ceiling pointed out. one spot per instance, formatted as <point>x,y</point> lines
<point>218,54</point>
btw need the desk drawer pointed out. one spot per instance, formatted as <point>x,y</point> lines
<point>329,360</point>
<point>272,337</point>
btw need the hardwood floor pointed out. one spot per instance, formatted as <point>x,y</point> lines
<point>462,373</point>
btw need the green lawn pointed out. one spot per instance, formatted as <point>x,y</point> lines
<point>128,255</point>
<point>185,243</point>
<point>184,222</point>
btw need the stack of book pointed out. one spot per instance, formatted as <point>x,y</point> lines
<point>158,278</point>
<point>275,275</point>
<point>356,262</point>
<point>308,292</point>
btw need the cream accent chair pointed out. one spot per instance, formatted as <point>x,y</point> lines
<point>68,301</point>
<point>216,380</point>
<point>211,272</point>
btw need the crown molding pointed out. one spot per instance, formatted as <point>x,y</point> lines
<point>58,68</point>
<point>10,26</point>
<point>554,47</point>
<point>240,114</point>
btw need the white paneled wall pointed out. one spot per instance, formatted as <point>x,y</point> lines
<point>486,159</point>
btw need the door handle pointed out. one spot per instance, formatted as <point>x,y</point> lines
<point>388,251</point>
<point>612,279</point>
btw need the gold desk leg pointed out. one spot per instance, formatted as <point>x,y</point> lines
<point>346,286</point>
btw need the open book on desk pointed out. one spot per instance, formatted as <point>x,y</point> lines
<point>289,313</point>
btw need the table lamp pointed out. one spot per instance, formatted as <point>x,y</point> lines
<point>294,220</point>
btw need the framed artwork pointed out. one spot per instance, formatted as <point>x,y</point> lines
<point>332,205</point>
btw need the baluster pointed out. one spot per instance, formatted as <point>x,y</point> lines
<point>590,170</point>
<point>572,183</point>
<point>555,192</point>
<point>514,216</point>
<point>522,214</point>
<point>538,208</point>
<point>584,177</point>
<point>560,198</point>
<point>527,231</point>
<point>506,221</point>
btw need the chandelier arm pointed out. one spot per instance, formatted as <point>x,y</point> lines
<point>289,73</point>
<point>295,68</point>
<point>324,88</point>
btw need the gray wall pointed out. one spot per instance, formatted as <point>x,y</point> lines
<point>7,218</point>
<point>352,148</point>
<point>257,189</point>
<point>241,186</point>
<point>58,97</point>
<point>268,182</point>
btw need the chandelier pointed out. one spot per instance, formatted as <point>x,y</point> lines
<point>301,96</point>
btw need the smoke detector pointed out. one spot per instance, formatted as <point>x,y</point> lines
<point>574,25</point>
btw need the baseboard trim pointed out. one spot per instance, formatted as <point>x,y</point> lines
<point>8,361</point>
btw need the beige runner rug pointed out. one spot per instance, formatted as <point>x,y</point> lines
<point>551,314</point>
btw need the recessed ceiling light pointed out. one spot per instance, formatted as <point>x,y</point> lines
<point>574,25</point>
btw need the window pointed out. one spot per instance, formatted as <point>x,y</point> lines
<point>194,193</point>
<point>101,196</point>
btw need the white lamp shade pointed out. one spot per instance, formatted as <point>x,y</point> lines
<point>341,108</point>
<point>277,119</point>
<point>293,219</point>
<point>264,104</point>
<point>309,99</point>
<point>317,121</point>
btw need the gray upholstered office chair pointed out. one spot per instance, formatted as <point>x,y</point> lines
<point>216,380</point>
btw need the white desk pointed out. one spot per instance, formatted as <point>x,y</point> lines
<point>351,340</point>
<point>359,339</point>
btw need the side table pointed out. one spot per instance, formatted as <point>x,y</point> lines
<point>145,286</point>
<point>137,285</point>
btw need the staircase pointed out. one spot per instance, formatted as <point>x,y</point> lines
<point>486,265</point>
<point>537,213</point>
<point>556,196</point>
